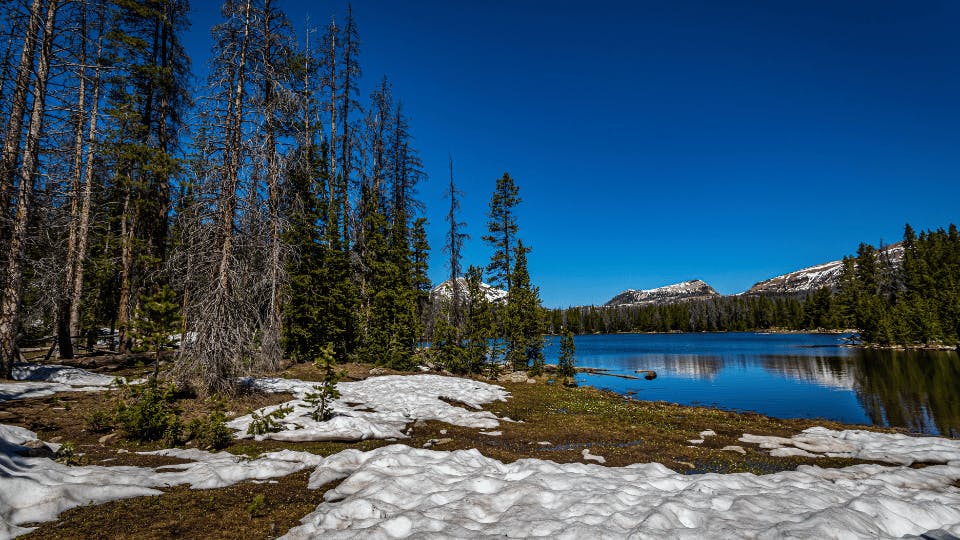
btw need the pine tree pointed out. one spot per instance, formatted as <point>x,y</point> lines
<point>419,257</point>
<point>156,321</point>
<point>524,319</point>
<point>567,359</point>
<point>502,226</point>
<point>480,325</point>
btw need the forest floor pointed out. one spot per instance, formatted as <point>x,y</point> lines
<point>553,422</point>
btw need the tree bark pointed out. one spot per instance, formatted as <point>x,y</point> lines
<point>83,225</point>
<point>18,105</point>
<point>271,343</point>
<point>13,289</point>
<point>64,339</point>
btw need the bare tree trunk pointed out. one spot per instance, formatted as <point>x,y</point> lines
<point>12,293</point>
<point>271,341</point>
<point>125,305</point>
<point>228,191</point>
<point>64,339</point>
<point>18,105</point>
<point>83,225</point>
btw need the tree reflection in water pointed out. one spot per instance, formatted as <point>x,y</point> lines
<point>918,390</point>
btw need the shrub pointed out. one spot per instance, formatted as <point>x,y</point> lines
<point>100,421</point>
<point>269,422</point>
<point>210,432</point>
<point>149,413</point>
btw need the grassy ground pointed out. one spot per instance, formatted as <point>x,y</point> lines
<point>552,422</point>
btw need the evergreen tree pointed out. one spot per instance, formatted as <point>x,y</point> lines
<point>480,325</point>
<point>524,319</point>
<point>419,259</point>
<point>502,226</point>
<point>567,359</point>
<point>156,321</point>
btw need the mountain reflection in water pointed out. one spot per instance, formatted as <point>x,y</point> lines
<point>782,375</point>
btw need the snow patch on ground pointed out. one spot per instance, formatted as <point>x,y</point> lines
<point>378,407</point>
<point>399,491</point>
<point>867,445</point>
<point>35,489</point>
<point>39,380</point>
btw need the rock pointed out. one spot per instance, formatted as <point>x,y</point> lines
<point>545,443</point>
<point>588,456</point>
<point>443,432</point>
<point>444,440</point>
<point>695,441</point>
<point>377,372</point>
<point>531,381</point>
<point>107,439</point>
<point>734,449</point>
<point>37,448</point>
<point>708,433</point>
<point>513,377</point>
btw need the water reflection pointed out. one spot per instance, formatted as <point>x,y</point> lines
<point>804,375</point>
<point>916,390</point>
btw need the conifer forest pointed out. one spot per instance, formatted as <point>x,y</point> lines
<point>272,214</point>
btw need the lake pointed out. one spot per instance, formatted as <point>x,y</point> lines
<point>780,375</point>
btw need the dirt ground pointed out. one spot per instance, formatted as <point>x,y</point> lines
<point>550,421</point>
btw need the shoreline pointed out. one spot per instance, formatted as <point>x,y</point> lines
<point>782,331</point>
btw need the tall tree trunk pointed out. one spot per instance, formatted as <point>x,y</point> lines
<point>271,342</point>
<point>64,339</point>
<point>12,293</point>
<point>18,105</point>
<point>83,224</point>
<point>125,305</point>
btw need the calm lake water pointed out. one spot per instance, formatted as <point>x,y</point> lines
<point>781,375</point>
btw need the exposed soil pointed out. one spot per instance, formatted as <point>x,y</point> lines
<point>551,422</point>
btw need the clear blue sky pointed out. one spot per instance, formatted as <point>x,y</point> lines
<point>655,142</point>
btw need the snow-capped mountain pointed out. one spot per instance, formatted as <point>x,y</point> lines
<point>694,289</point>
<point>816,277</point>
<point>445,291</point>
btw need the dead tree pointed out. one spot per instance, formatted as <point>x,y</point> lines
<point>13,288</point>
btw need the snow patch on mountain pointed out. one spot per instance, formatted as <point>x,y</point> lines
<point>816,277</point>
<point>694,289</point>
<point>445,291</point>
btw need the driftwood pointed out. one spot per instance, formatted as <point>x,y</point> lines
<point>601,371</point>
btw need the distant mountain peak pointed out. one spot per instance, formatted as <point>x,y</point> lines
<point>812,278</point>
<point>445,291</point>
<point>685,291</point>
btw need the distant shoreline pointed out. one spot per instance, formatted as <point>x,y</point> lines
<point>783,331</point>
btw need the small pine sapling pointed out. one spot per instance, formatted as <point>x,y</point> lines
<point>326,393</point>
<point>566,360</point>
<point>157,319</point>
<point>268,422</point>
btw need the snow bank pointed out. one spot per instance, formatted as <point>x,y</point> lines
<point>378,407</point>
<point>39,380</point>
<point>859,444</point>
<point>396,491</point>
<point>34,489</point>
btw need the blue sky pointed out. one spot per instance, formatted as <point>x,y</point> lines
<point>655,142</point>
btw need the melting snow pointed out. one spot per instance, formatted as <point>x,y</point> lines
<point>39,380</point>
<point>35,489</point>
<point>400,491</point>
<point>859,444</point>
<point>378,407</point>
